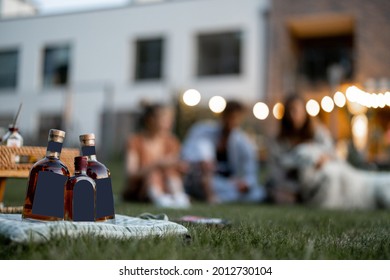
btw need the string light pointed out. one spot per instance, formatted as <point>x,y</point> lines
<point>327,104</point>
<point>339,99</point>
<point>366,99</point>
<point>191,97</point>
<point>312,107</point>
<point>217,104</point>
<point>387,98</point>
<point>278,111</point>
<point>381,100</point>
<point>358,102</point>
<point>374,101</point>
<point>352,93</point>
<point>260,110</point>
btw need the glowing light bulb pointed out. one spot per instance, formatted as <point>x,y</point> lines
<point>261,110</point>
<point>352,93</point>
<point>217,104</point>
<point>278,111</point>
<point>387,98</point>
<point>381,100</point>
<point>374,101</point>
<point>339,99</point>
<point>327,104</point>
<point>312,107</point>
<point>191,97</point>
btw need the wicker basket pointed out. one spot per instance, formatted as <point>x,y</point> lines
<point>11,210</point>
<point>9,168</point>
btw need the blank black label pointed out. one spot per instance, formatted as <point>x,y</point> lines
<point>54,146</point>
<point>83,202</point>
<point>88,150</point>
<point>49,195</point>
<point>104,198</point>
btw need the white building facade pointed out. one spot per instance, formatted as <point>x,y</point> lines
<point>16,8</point>
<point>71,68</point>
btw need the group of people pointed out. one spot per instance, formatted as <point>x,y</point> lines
<point>218,163</point>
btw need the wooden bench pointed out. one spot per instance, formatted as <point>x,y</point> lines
<point>10,169</point>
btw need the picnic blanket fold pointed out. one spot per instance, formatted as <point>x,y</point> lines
<point>12,227</point>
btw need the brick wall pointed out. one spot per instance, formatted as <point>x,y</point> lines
<point>371,38</point>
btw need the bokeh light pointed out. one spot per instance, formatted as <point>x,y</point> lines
<point>359,125</point>
<point>278,111</point>
<point>217,104</point>
<point>339,99</point>
<point>387,98</point>
<point>261,110</point>
<point>191,97</point>
<point>381,100</point>
<point>360,131</point>
<point>312,107</point>
<point>327,104</point>
<point>374,101</point>
<point>352,93</point>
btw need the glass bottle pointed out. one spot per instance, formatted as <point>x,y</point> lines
<point>80,193</point>
<point>12,138</point>
<point>101,174</point>
<point>49,165</point>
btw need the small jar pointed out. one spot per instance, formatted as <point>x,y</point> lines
<point>12,138</point>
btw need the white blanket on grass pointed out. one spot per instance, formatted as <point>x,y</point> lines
<point>12,227</point>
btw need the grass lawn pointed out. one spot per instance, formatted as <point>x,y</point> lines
<point>257,232</point>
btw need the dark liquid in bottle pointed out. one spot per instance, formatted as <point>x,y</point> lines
<point>69,215</point>
<point>51,164</point>
<point>97,170</point>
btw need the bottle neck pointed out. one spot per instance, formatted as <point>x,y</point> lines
<point>92,157</point>
<point>52,154</point>
<point>13,129</point>
<point>53,149</point>
<point>89,151</point>
<point>80,172</point>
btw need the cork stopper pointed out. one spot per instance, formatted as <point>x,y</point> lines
<point>13,128</point>
<point>87,139</point>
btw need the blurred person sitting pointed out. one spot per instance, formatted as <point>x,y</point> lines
<point>152,161</point>
<point>296,127</point>
<point>222,160</point>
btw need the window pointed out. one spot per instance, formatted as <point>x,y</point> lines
<point>56,66</point>
<point>8,69</point>
<point>149,58</point>
<point>317,56</point>
<point>219,54</point>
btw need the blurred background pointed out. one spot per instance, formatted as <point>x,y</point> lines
<point>85,66</point>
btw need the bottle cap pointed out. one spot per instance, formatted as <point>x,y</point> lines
<point>87,139</point>
<point>56,135</point>
<point>13,128</point>
<point>87,136</point>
